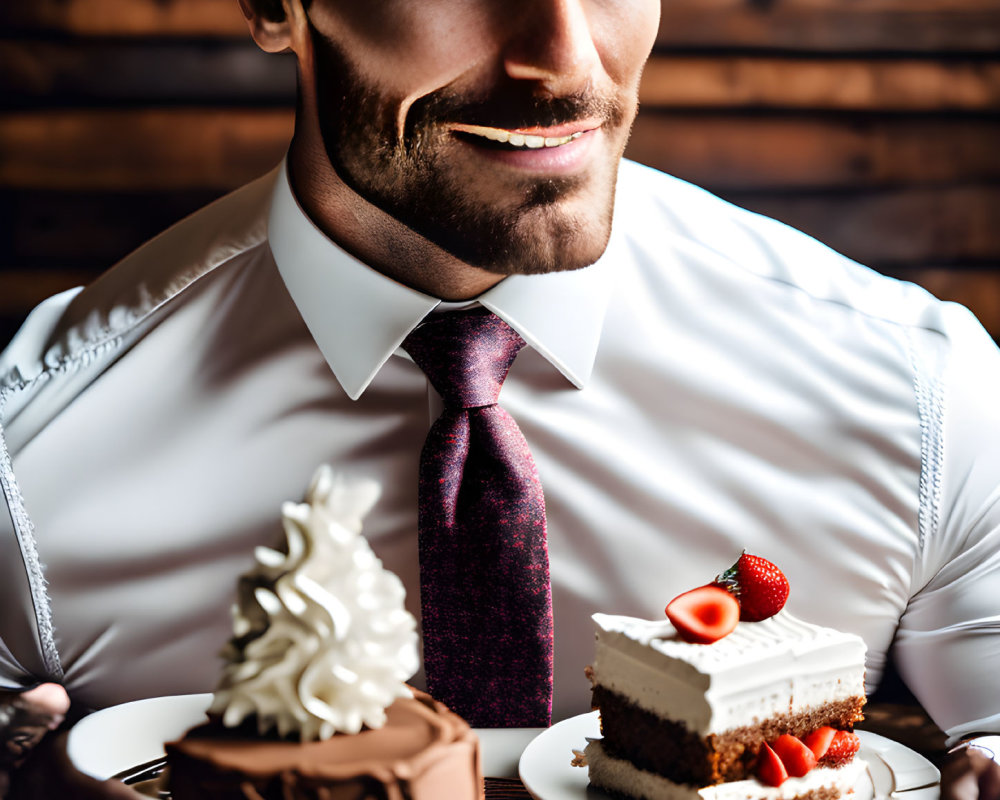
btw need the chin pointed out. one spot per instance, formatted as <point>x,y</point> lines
<point>533,252</point>
<point>565,233</point>
<point>559,256</point>
<point>555,242</point>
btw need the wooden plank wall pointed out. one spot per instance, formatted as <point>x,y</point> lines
<point>873,125</point>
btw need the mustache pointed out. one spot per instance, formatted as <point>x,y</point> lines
<point>511,108</point>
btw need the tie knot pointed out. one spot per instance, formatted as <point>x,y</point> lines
<point>465,355</point>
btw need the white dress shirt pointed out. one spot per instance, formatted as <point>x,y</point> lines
<point>717,381</point>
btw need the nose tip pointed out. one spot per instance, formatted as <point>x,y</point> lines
<point>553,46</point>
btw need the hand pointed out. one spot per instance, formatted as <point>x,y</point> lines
<point>970,774</point>
<point>33,759</point>
<point>25,718</point>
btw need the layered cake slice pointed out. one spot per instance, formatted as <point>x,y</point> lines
<point>765,710</point>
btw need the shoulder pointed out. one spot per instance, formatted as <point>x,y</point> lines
<point>93,318</point>
<point>673,215</point>
<point>681,230</point>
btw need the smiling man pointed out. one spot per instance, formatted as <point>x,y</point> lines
<point>477,139</point>
<point>680,379</point>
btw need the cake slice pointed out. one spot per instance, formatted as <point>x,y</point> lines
<point>681,719</point>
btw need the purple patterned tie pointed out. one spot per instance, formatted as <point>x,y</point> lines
<point>484,564</point>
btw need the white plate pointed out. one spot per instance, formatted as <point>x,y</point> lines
<point>122,737</point>
<point>547,773</point>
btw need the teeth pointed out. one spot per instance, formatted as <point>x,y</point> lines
<point>519,139</point>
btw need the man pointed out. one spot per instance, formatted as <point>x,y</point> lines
<point>696,379</point>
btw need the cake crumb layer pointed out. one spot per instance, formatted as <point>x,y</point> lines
<point>625,781</point>
<point>668,749</point>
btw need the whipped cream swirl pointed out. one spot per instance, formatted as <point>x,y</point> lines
<point>322,641</point>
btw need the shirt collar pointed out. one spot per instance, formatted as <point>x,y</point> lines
<point>359,317</point>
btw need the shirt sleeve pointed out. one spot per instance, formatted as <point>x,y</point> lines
<point>948,642</point>
<point>23,602</point>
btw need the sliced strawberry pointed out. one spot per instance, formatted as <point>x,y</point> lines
<point>759,585</point>
<point>819,740</point>
<point>843,748</point>
<point>770,770</point>
<point>797,758</point>
<point>703,615</point>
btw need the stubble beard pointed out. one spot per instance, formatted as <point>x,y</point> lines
<point>535,226</point>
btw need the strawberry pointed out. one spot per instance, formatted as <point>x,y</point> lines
<point>842,749</point>
<point>760,587</point>
<point>770,770</point>
<point>819,740</point>
<point>703,615</point>
<point>797,757</point>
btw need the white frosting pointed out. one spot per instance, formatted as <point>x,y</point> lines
<point>322,642</point>
<point>778,666</point>
<point>622,776</point>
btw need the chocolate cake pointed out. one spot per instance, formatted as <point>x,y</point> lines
<point>313,702</point>
<point>423,752</point>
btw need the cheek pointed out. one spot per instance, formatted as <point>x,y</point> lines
<point>626,32</point>
<point>411,47</point>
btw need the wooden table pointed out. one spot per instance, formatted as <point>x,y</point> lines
<point>505,789</point>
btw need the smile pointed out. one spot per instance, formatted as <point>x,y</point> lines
<point>515,138</point>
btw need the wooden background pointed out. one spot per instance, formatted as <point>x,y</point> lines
<point>872,124</point>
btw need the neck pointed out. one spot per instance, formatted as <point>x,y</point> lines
<point>371,235</point>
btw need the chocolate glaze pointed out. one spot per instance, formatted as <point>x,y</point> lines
<point>424,752</point>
